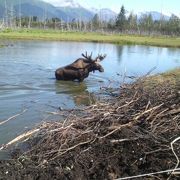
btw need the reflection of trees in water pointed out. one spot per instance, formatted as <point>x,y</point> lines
<point>173,51</point>
<point>78,92</point>
<point>159,50</point>
<point>141,49</point>
<point>147,49</point>
<point>119,52</point>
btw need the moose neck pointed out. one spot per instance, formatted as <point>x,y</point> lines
<point>90,68</point>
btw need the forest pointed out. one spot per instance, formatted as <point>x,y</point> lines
<point>123,24</point>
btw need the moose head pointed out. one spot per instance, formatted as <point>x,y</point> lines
<point>79,69</point>
<point>94,63</point>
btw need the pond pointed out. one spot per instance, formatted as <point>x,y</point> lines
<point>28,86</point>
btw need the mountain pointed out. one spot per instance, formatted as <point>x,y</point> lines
<point>76,13</point>
<point>68,3</point>
<point>104,14</point>
<point>37,8</point>
<point>68,11</point>
<point>107,14</point>
<point>156,16</point>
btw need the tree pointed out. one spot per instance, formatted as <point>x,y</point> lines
<point>132,22</point>
<point>6,14</point>
<point>146,23</point>
<point>20,13</point>
<point>121,19</point>
<point>110,24</point>
<point>174,25</point>
<point>95,21</point>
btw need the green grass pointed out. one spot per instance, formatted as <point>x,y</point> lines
<point>34,34</point>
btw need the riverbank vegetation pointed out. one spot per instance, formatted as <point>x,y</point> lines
<point>145,24</point>
<point>57,35</point>
<point>123,29</point>
<point>135,133</point>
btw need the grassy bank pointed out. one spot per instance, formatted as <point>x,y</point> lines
<point>136,133</point>
<point>172,78</point>
<point>32,34</point>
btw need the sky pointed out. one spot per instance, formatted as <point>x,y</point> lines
<point>165,6</point>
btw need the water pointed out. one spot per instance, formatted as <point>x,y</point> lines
<point>27,77</point>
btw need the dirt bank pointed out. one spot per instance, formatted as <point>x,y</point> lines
<point>134,134</point>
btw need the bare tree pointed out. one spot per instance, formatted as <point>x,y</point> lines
<point>62,25</point>
<point>6,14</point>
<point>20,22</point>
<point>12,17</point>
<point>45,16</point>
<point>29,23</point>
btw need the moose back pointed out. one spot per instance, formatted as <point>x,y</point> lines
<point>80,69</point>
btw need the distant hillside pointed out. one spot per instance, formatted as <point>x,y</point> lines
<point>37,8</point>
<point>43,10</point>
<point>74,13</point>
<point>69,10</point>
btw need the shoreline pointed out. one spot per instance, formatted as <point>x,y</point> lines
<point>120,39</point>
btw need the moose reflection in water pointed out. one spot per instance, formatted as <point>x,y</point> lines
<point>79,70</point>
<point>77,91</point>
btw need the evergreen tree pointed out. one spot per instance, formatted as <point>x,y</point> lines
<point>121,19</point>
<point>96,21</point>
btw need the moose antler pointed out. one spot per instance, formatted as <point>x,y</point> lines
<point>100,57</point>
<point>87,57</point>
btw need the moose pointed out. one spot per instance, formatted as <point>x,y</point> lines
<point>80,69</point>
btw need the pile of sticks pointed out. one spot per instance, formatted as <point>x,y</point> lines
<point>136,134</point>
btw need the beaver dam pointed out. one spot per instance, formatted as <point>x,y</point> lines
<point>135,135</point>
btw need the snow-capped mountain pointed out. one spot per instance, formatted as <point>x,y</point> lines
<point>64,3</point>
<point>66,10</point>
<point>104,14</point>
<point>107,14</point>
<point>69,3</point>
<point>73,9</point>
<point>156,16</point>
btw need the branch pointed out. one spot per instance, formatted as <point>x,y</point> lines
<point>73,147</point>
<point>147,111</point>
<point>12,117</point>
<point>18,138</point>
<point>177,164</point>
<point>117,129</point>
<point>148,174</point>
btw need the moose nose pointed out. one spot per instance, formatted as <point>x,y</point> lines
<point>101,69</point>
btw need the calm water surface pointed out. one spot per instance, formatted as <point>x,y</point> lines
<point>27,77</point>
